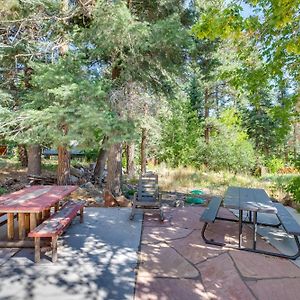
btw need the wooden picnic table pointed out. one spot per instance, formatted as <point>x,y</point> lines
<point>32,205</point>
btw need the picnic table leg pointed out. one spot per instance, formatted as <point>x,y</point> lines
<point>10,226</point>
<point>254,229</point>
<point>81,215</point>
<point>46,214</point>
<point>54,248</point>
<point>21,220</point>
<point>240,227</point>
<point>39,218</point>
<point>32,221</point>
<point>250,216</point>
<point>27,222</point>
<point>37,249</point>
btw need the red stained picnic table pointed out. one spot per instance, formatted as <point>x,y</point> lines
<point>32,204</point>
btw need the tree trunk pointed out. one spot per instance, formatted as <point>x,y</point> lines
<point>130,160</point>
<point>63,161</point>
<point>22,155</point>
<point>297,132</point>
<point>34,160</point>
<point>143,150</point>
<point>206,116</point>
<point>114,169</point>
<point>101,160</point>
<point>63,167</point>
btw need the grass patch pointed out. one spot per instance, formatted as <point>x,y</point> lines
<point>186,179</point>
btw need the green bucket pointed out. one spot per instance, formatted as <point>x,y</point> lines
<point>193,200</point>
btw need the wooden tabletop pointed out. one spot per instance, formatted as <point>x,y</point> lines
<point>34,198</point>
<point>249,199</point>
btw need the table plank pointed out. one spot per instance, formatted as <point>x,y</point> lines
<point>249,199</point>
<point>34,198</point>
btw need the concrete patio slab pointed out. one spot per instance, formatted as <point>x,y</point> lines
<point>96,260</point>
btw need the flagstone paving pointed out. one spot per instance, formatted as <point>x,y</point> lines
<point>175,263</point>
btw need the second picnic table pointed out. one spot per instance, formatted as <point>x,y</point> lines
<point>32,205</point>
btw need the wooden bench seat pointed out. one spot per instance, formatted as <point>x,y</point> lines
<point>211,212</point>
<point>55,226</point>
<point>288,222</point>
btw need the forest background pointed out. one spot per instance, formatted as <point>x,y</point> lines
<point>212,85</point>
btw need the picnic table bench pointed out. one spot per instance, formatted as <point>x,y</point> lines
<point>55,226</point>
<point>254,201</point>
<point>211,212</point>
<point>32,205</point>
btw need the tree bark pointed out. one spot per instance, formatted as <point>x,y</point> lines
<point>143,150</point>
<point>130,160</point>
<point>34,160</point>
<point>206,116</point>
<point>63,168</point>
<point>101,161</point>
<point>114,169</point>
<point>297,132</point>
<point>22,155</point>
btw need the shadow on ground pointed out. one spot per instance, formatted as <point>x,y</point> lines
<point>97,260</point>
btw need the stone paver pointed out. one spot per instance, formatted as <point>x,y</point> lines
<point>158,234</point>
<point>221,279</point>
<point>262,266</point>
<point>224,273</point>
<point>163,261</point>
<point>194,249</point>
<point>276,289</point>
<point>187,217</point>
<point>169,288</point>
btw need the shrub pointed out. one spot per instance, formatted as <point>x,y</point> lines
<point>274,164</point>
<point>294,188</point>
<point>3,190</point>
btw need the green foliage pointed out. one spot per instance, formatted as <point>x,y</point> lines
<point>3,190</point>
<point>274,164</point>
<point>229,147</point>
<point>91,154</point>
<point>294,188</point>
<point>180,133</point>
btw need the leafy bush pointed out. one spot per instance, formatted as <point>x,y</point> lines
<point>274,164</point>
<point>3,190</point>
<point>91,154</point>
<point>294,188</point>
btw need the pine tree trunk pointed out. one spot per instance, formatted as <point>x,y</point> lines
<point>63,167</point>
<point>130,160</point>
<point>297,132</point>
<point>206,116</point>
<point>114,169</point>
<point>22,155</point>
<point>143,150</point>
<point>34,160</point>
<point>101,161</point>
